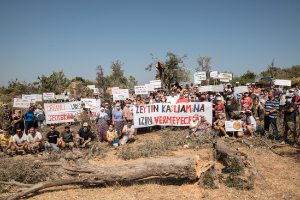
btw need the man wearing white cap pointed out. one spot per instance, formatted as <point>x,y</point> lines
<point>84,137</point>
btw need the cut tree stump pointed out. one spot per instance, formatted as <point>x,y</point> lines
<point>189,167</point>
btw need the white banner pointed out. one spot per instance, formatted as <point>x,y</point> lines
<point>205,88</point>
<point>170,114</point>
<point>283,82</point>
<point>61,96</point>
<point>241,89</point>
<point>119,95</point>
<point>199,76</point>
<point>233,125</point>
<point>89,103</point>
<point>62,112</point>
<point>150,87</point>
<point>48,96</point>
<point>31,97</point>
<point>213,74</point>
<point>90,86</point>
<point>21,103</point>
<point>225,77</point>
<point>140,90</point>
<point>218,88</point>
<point>96,90</point>
<point>113,89</point>
<point>157,83</point>
<point>38,97</point>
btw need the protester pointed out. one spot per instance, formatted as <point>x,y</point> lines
<point>6,142</point>
<point>18,120</point>
<point>193,126</point>
<point>172,99</point>
<point>219,108</point>
<point>295,99</point>
<point>246,101</point>
<point>231,105</point>
<point>251,125</point>
<point>201,126</point>
<point>29,119</point>
<point>39,114</point>
<point>84,137</point>
<point>270,110</point>
<point>102,125</point>
<point>112,136</point>
<point>289,121</point>
<point>182,99</point>
<point>219,124</point>
<point>262,101</point>
<point>52,140</point>
<point>66,138</point>
<point>34,140</point>
<point>19,141</point>
<point>117,120</point>
<point>128,131</point>
<point>253,97</point>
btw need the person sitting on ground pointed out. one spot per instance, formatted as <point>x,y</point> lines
<point>219,124</point>
<point>34,140</point>
<point>128,131</point>
<point>201,126</point>
<point>193,126</point>
<point>112,135</point>
<point>19,141</point>
<point>52,139</point>
<point>84,137</point>
<point>250,125</point>
<point>66,138</point>
<point>6,142</point>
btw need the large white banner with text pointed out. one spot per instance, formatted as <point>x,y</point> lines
<point>170,114</point>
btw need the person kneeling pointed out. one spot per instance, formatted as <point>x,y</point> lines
<point>128,131</point>
<point>84,137</point>
<point>219,124</point>
<point>112,136</point>
<point>66,138</point>
<point>19,141</point>
<point>34,140</point>
<point>6,142</point>
<point>201,126</point>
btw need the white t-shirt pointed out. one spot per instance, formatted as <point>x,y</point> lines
<point>37,136</point>
<point>251,120</point>
<point>20,141</point>
<point>193,124</point>
<point>171,99</point>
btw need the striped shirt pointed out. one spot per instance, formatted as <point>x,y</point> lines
<point>271,105</point>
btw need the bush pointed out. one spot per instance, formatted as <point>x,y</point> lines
<point>8,91</point>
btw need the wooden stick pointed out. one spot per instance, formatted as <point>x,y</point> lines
<point>272,149</point>
<point>13,182</point>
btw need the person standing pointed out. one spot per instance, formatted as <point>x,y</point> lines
<point>117,120</point>
<point>231,105</point>
<point>282,101</point>
<point>182,99</point>
<point>102,125</point>
<point>289,121</point>
<point>270,110</point>
<point>253,97</point>
<point>29,119</point>
<point>18,121</point>
<point>246,102</point>
<point>39,114</point>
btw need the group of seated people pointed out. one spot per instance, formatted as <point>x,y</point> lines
<point>33,142</point>
<point>248,125</point>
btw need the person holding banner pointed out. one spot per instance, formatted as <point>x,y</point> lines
<point>29,119</point>
<point>102,125</point>
<point>182,99</point>
<point>117,119</point>
<point>18,120</point>
<point>172,99</point>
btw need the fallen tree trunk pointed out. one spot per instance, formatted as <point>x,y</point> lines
<point>189,167</point>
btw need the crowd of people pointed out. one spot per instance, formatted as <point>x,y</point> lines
<point>115,124</point>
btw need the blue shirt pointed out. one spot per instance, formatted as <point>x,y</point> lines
<point>85,135</point>
<point>118,116</point>
<point>271,105</point>
<point>237,96</point>
<point>29,116</point>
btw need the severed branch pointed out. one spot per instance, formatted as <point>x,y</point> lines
<point>13,182</point>
<point>272,148</point>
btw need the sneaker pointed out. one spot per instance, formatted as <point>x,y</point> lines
<point>295,145</point>
<point>283,143</point>
<point>47,155</point>
<point>24,153</point>
<point>226,135</point>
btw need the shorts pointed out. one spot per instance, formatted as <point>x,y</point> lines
<point>33,145</point>
<point>69,143</point>
<point>125,139</point>
<point>255,128</point>
<point>289,125</point>
<point>89,144</point>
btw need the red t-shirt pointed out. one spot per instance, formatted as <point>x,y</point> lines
<point>184,100</point>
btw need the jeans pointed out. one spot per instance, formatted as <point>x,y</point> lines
<point>28,125</point>
<point>39,124</point>
<point>272,121</point>
<point>52,145</point>
<point>89,144</point>
<point>240,106</point>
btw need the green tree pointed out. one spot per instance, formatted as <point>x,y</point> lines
<point>132,82</point>
<point>117,73</point>
<point>78,79</point>
<point>57,82</point>
<point>173,70</point>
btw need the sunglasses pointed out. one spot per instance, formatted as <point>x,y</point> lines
<point>19,131</point>
<point>52,128</point>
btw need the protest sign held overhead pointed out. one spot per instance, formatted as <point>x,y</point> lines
<point>283,82</point>
<point>157,83</point>
<point>90,86</point>
<point>211,88</point>
<point>61,96</point>
<point>170,114</point>
<point>89,103</point>
<point>120,94</point>
<point>48,96</point>
<point>213,74</point>
<point>21,103</point>
<point>140,90</point>
<point>199,76</point>
<point>241,89</point>
<point>62,112</point>
<point>31,97</point>
<point>150,87</point>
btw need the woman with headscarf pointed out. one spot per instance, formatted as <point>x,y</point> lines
<point>102,125</point>
<point>117,119</point>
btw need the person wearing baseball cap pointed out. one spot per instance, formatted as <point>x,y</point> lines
<point>219,108</point>
<point>84,137</point>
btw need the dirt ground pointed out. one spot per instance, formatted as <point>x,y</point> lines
<point>282,178</point>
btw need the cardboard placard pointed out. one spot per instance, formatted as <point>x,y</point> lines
<point>213,74</point>
<point>241,89</point>
<point>21,103</point>
<point>283,82</point>
<point>48,96</point>
<point>140,90</point>
<point>229,125</point>
<point>157,83</point>
<point>150,87</point>
<point>199,76</point>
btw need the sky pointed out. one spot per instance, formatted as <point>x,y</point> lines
<point>38,37</point>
